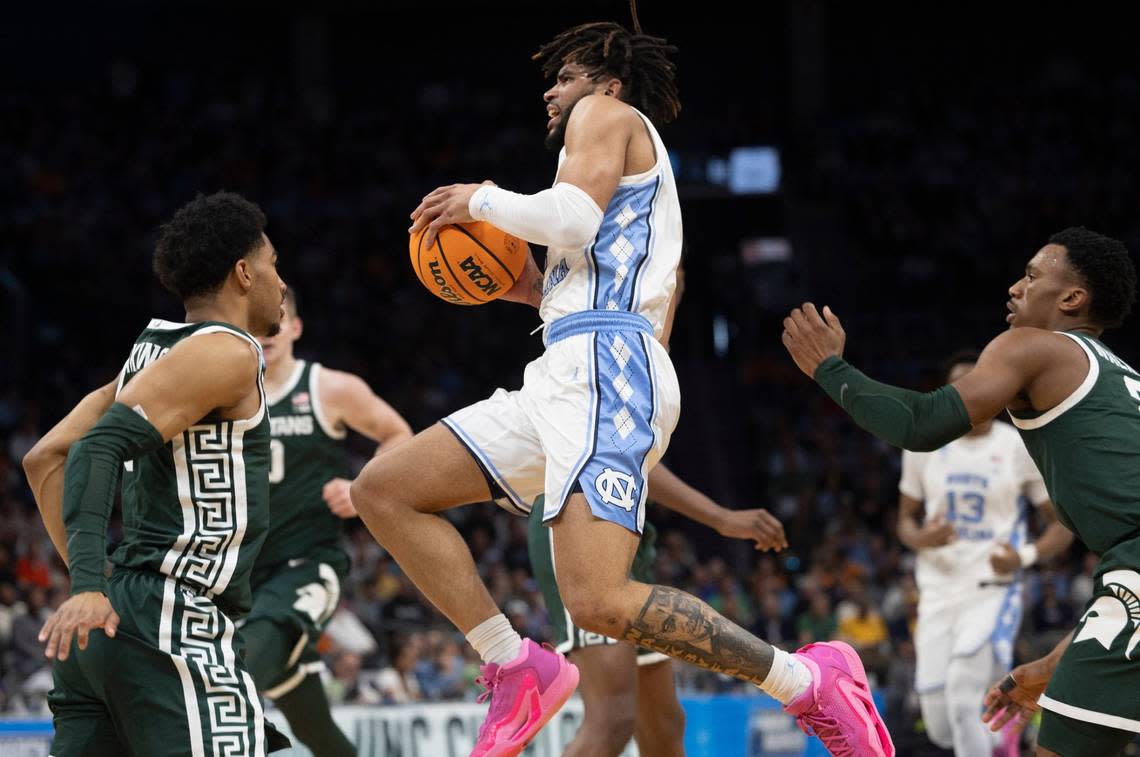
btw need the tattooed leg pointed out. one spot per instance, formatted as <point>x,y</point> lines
<point>682,626</point>
<point>592,558</point>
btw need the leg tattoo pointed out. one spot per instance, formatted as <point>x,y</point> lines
<point>682,626</point>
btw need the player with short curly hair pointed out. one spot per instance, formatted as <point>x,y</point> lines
<point>1077,408</point>
<point>147,659</point>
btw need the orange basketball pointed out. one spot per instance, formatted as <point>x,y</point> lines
<point>470,263</point>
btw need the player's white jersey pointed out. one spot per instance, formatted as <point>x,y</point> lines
<point>631,265</point>
<point>976,483</point>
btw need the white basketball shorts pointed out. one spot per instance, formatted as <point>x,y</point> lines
<point>595,414</point>
<point>959,626</point>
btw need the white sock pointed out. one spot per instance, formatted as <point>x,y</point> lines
<point>495,640</point>
<point>787,678</point>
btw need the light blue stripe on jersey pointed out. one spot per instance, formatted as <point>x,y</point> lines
<point>635,295</point>
<point>622,246</point>
<point>613,479</point>
<point>1008,621</point>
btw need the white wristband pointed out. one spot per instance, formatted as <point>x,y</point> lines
<point>563,216</point>
<point>1028,554</point>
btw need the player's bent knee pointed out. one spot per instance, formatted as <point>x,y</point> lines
<point>370,497</point>
<point>591,602</point>
<point>611,726</point>
<point>591,612</point>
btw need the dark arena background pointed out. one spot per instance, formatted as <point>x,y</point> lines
<point>900,163</point>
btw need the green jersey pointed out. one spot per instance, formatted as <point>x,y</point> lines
<point>307,451</point>
<point>1088,451</point>
<point>197,509</point>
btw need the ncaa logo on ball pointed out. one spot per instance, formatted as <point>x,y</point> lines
<point>616,488</point>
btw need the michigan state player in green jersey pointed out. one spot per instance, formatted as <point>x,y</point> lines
<point>1077,407</point>
<point>148,659</point>
<point>629,691</point>
<point>296,581</point>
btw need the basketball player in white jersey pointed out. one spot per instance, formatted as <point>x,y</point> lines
<point>971,544</point>
<point>593,416</point>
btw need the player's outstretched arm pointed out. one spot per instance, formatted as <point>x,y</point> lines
<point>915,420</point>
<point>44,463</point>
<point>349,400</point>
<point>198,376</point>
<point>666,489</point>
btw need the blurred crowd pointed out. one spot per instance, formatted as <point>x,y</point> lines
<point>913,211</point>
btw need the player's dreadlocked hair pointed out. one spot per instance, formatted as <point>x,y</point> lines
<point>639,60</point>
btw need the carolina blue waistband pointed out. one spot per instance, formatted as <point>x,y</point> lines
<point>595,320</point>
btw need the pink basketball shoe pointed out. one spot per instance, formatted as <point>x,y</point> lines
<point>525,693</point>
<point>837,707</point>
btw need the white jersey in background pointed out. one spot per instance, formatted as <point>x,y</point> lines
<point>975,483</point>
<point>631,265</point>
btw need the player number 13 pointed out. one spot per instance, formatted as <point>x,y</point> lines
<point>967,507</point>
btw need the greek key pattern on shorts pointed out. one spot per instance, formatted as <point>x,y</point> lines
<point>210,474</point>
<point>203,632</point>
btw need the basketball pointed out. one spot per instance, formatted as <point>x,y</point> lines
<point>470,263</point>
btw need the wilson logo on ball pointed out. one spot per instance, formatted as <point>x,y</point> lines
<point>444,290</point>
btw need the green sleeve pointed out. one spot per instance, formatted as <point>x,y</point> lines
<point>912,420</point>
<point>90,482</point>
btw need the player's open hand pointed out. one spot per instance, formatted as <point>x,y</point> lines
<point>758,525</point>
<point>335,494</point>
<point>443,206</point>
<point>1014,697</point>
<point>811,338</point>
<point>77,617</point>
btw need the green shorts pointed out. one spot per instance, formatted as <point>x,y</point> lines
<point>299,597</point>
<point>1096,687</point>
<point>1070,737</point>
<point>171,682</point>
<point>567,636</point>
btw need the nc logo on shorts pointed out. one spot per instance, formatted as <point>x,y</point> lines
<point>616,488</point>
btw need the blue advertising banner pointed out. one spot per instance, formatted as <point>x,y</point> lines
<point>715,726</point>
